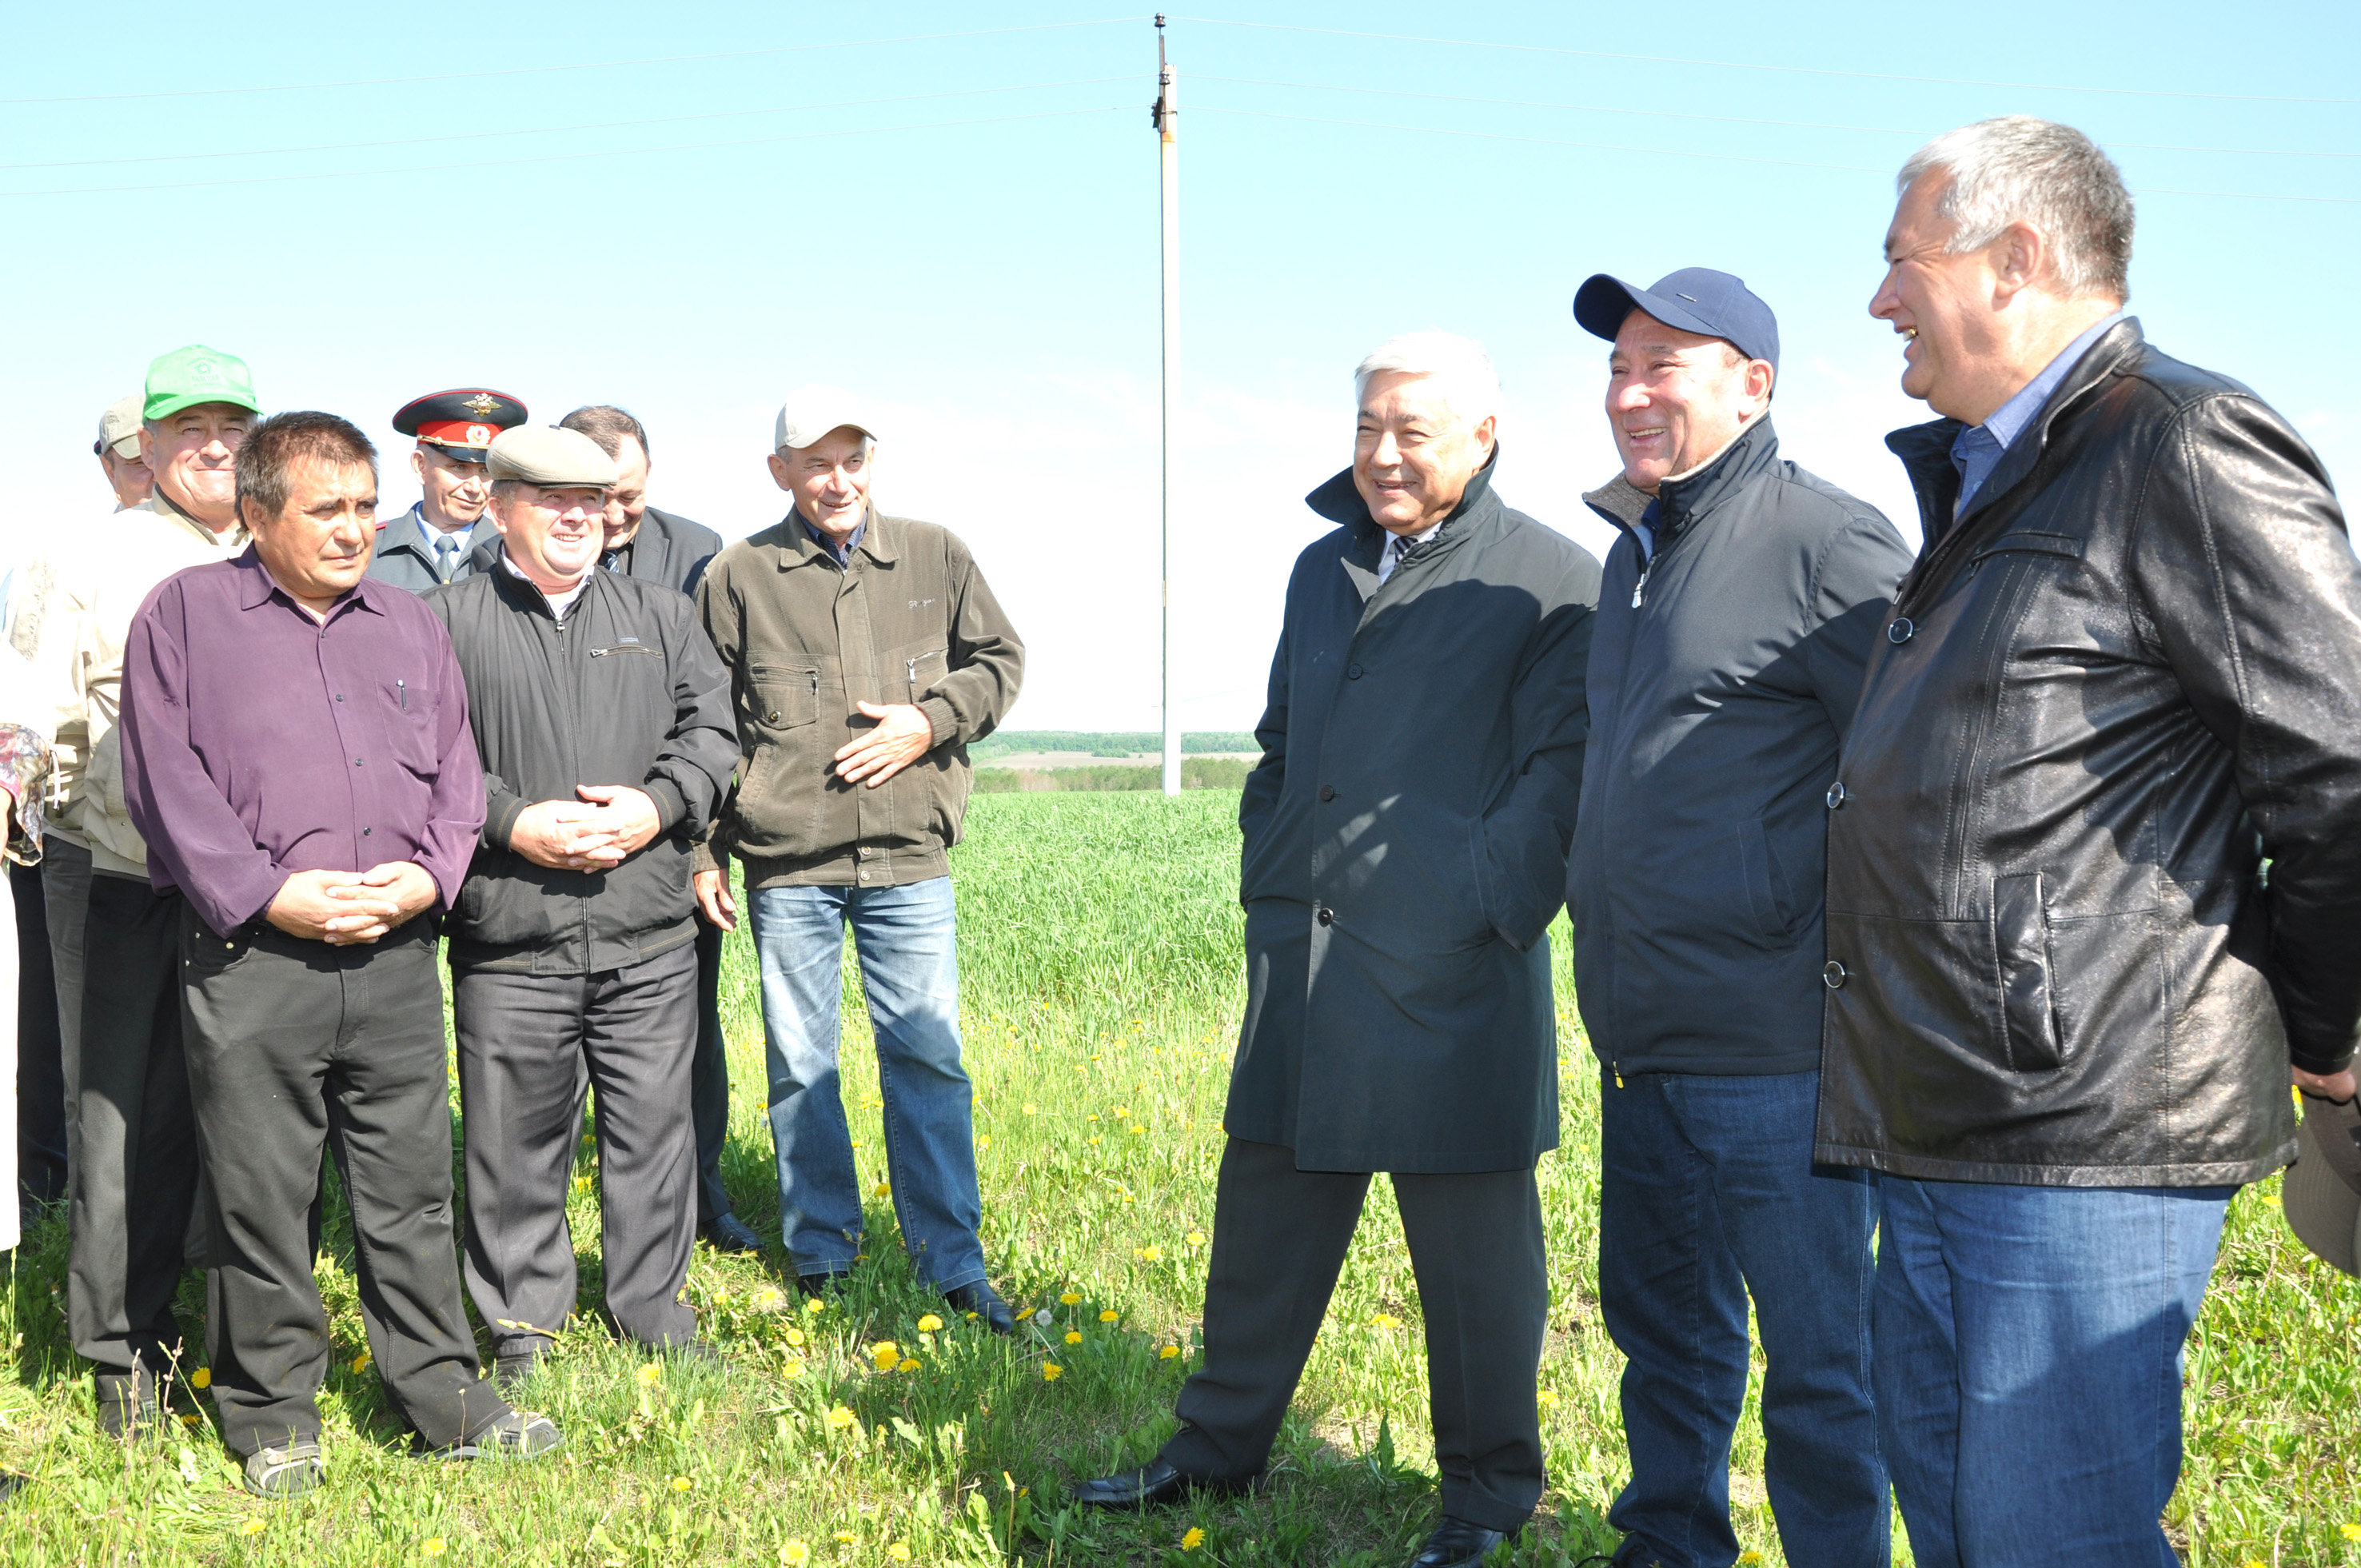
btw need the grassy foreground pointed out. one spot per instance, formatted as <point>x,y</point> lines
<point>1102,985</point>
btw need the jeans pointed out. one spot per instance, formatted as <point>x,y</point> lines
<point>906,938</point>
<point>1707,1194</point>
<point>2028,1366</point>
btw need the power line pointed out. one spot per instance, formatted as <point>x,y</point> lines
<point>550,130</point>
<point>567,156</point>
<point>1752,65</point>
<point>543,70</point>
<point>1719,157</point>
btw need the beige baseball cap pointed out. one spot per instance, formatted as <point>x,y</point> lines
<point>552,458</point>
<point>812,411</point>
<point>119,426</point>
<point>2322,1196</point>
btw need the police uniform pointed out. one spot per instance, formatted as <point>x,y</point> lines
<point>460,424</point>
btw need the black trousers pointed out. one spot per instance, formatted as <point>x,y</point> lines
<point>528,1046</point>
<point>134,1168</point>
<point>292,1043</point>
<point>708,1078</point>
<point>1279,1236</point>
<point>41,1062</point>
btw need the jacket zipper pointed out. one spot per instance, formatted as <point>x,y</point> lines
<point>912,672</point>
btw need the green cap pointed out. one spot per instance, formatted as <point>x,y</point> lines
<point>187,377</point>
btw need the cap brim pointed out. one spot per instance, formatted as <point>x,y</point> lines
<point>456,454</point>
<point>1603,303</point>
<point>167,406</point>
<point>794,446</point>
<point>2322,1211</point>
<point>128,447</point>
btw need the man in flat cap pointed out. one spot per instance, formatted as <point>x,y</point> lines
<point>864,652</point>
<point>1740,605</point>
<point>440,539</point>
<point>602,720</point>
<point>296,749</point>
<point>663,547</point>
<point>131,1147</point>
<point>117,450</point>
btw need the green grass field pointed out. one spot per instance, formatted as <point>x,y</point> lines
<point>1102,985</point>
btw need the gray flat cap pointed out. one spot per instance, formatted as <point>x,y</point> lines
<point>553,458</point>
<point>2321,1198</point>
<point>119,426</point>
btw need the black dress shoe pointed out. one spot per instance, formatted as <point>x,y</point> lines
<point>822,1283</point>
<point>982,1301</point>
<point>1455,1544</point>
<point>730,1233</point>
<point>1153,1483</point>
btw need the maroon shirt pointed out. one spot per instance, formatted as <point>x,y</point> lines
<point>258,742</point>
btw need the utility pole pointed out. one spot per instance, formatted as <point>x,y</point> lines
<point>1168,157</point>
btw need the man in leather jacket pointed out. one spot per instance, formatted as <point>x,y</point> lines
<point>2063,994</point>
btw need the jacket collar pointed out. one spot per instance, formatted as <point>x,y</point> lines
<point>1925,449</point>
<point>162,505</point>
<point>1339,500</point>
<point>799,548</point>
<point>1623,503</point>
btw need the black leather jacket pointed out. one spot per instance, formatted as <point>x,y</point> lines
<point>2125,675</point>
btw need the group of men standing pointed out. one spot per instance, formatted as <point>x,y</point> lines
<point>1921,923</point>
<point>299,757</point>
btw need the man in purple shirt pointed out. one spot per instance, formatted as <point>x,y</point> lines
<point>296,753</point>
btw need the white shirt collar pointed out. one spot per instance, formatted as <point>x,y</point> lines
<point>431,533</point>
<point>1390,556</point>
<point>559,603</point>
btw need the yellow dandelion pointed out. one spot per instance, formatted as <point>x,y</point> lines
<point>1138,1130</point>
<point>1168,1353</point>
<point>846,1538</point>
<point>794,1335</point>
<point>908,1364</point>
<point>1194,1539</point>
<point>1121,1112</point>
<point>1110,1316</point>
<point>792,1367</point>
<point>361,1361</point>
<point>929,1324</point>
<point>650,1375</point>
<point>1094,1138</point>
<point>251,1526</point>
<point>897,1552</point>
<point>203,1378</point>
<point>1031,1108</point>
<point>1385,1320</point>
<point>882,1190</point>
<point>1090,1118</point>
<point>1545,1399</point>
<point>430,1547</point>
<point>683,1484</point>
<point>815,1306</point>
<point>1051,1372</point>
<point>839,1418</point>
<point>770,1301</point>
<point>1068,1297</point>
<point>1196,1238</point>
<point>984,1141</point>
<point>885,1352</point>
<point>795,1555</point>
<point>1751,1558</point>
<point>1073,1336</point>
<point>2350,1531</point>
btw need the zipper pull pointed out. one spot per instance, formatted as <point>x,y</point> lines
<point>1640,590</point>
<point>1614,1067</point>
<point>401,693</point>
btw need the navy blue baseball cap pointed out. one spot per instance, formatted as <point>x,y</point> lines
<point>1695,299</point>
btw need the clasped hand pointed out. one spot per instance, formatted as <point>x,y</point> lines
<point>346,908</point>
<point>595,833</point>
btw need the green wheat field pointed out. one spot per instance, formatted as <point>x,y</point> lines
<point>1102,983</point>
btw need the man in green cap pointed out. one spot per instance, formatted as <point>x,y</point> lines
<point>131,1142</point>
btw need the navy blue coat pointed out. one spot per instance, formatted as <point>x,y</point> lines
<point>1405,844</point>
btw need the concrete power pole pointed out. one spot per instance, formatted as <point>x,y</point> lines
<point>1168,157</point>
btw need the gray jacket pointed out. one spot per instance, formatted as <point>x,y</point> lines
<point>1723,675</point>
<point>1405,837</point>
<point>669,549</point>
<point>403,560</point>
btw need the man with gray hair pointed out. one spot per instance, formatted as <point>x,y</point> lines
<point>1405,850</point>
<point>117,450</point>
<point>2064,997</point>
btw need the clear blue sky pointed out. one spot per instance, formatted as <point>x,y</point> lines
<point>964,229</point>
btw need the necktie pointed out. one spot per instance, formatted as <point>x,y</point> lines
<point>447,556</point>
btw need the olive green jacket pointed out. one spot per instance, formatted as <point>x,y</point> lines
<point>909,620</point>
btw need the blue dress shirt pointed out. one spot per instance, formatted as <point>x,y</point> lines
<point>1976,450</point>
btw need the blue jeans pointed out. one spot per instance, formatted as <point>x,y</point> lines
<point>1707,1194</point>
<point>907,940</point>
<point>2028,1366</point>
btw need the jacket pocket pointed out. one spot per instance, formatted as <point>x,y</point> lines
<point>783,697</point>
<point>1767,897</point>
<point>2020,937</point>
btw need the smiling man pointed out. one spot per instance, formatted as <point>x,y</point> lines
<point>444,538</point>
<point>296,751</point>
<point>602,720</point>
<point>131,1149</point>
<point>1405,838</point>
<point>1738,610</point>
<point>2096,885</point>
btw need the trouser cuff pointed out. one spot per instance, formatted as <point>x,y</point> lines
<point>1479,1507</point>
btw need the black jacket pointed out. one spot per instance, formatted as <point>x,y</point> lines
<point>1405,844</point>
<point>403,560</point>
<point>2129,672</point>
<point>625,690</point>
<point>669,549</point>
<point>1723,676</point>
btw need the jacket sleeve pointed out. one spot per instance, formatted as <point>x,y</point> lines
<point>985,660</point>
<point>188,826</point>
<point>719,616</point>
<point>502,804</point>
<point>1267,777</point>
<point>1852,587</point>
<point>454,810</point>
<point>2242,568</point>
<point>693,767</point>
<point>1524,838</point>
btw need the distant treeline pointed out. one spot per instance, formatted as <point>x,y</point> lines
<point>1196,772</point>
<point>1105,743</point>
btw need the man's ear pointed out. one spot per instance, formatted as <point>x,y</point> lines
<point>2019,257</point>
<point>418,464</point>
<point>250,512</point>
<point>1760,376</point>
<point>779,473</point>
<point>1488,433</point>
